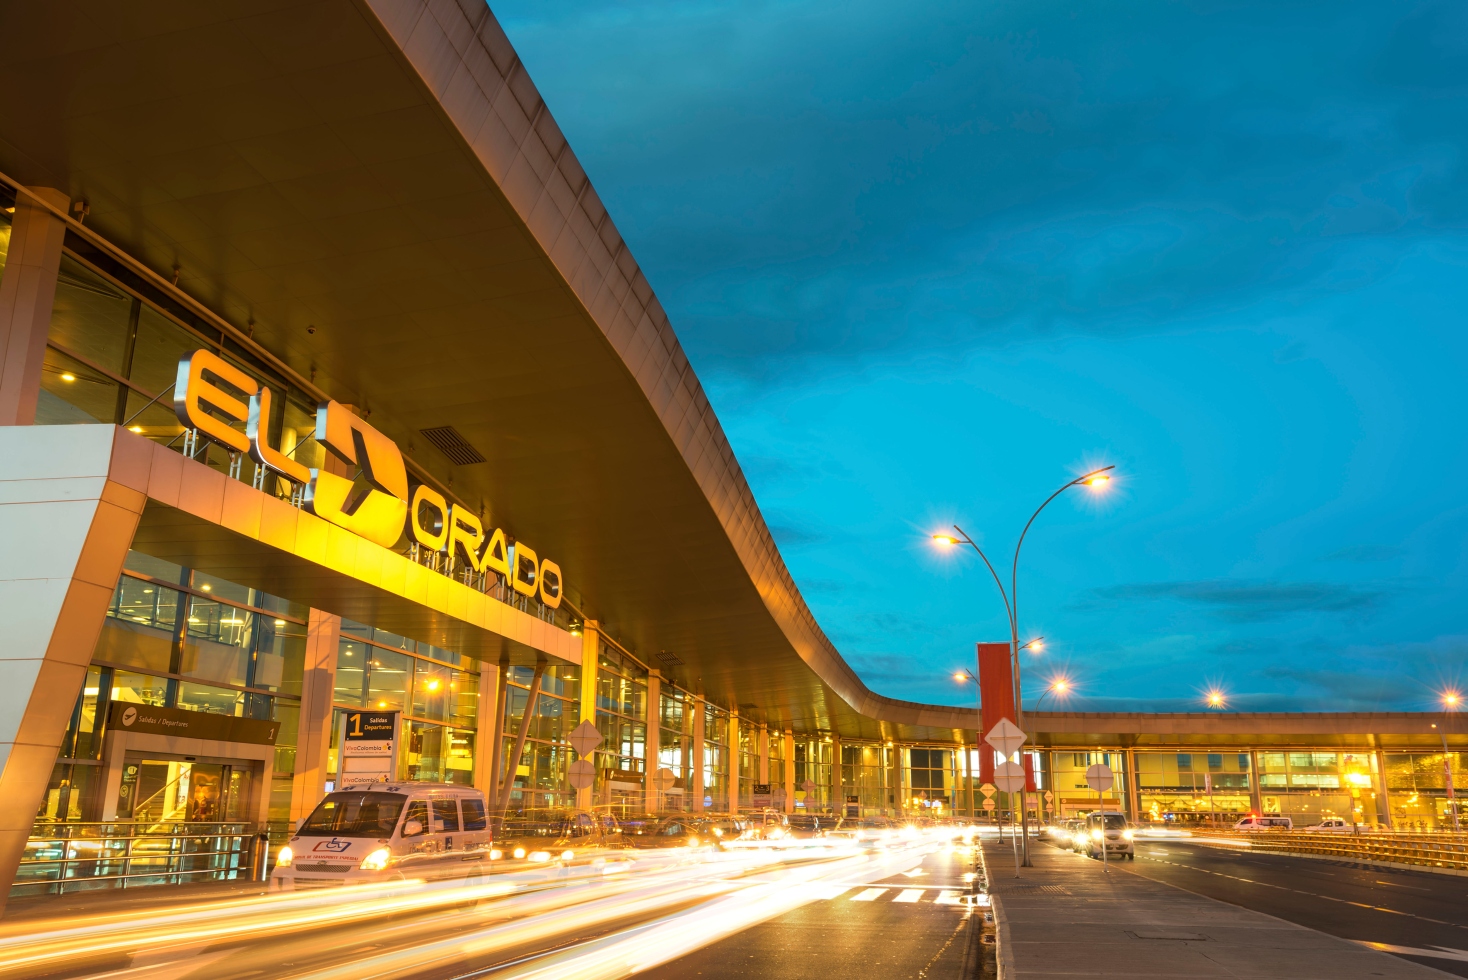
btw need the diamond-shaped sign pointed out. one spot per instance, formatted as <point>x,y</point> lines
<point>1006,737</point>
<point>1049,797</point>
<point>988,789</point>
<point>1009,776</point>
<point>582,773</point>
<point>808,786</point>
<point>584,739</point>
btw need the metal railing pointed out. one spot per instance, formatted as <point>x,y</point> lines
<point>63,858</point>
<point>1446,851</point>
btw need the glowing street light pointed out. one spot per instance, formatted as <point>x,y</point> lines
<point>1216,698</point>
<point>1059,686</point>
<point>1096,480</point>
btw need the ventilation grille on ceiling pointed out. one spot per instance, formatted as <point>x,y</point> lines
<point>670,659</point>
<point>453,445</point>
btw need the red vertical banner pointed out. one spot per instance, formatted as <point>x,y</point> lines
<point>1029,758</point>
<point>996,693</point>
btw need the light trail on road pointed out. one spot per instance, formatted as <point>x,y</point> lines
<point>613,917</point>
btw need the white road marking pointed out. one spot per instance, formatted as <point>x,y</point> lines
<point>832,891</point>
<point>909,895</point>
<point>947,898</point>
<point>870,895</point>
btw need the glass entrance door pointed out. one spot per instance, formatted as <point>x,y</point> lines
<point>171,790</point>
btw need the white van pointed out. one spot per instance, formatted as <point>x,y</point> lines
<point>388,832</point>
<point>1254,822</point>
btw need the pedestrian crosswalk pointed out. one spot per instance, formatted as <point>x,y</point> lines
<point>935,896</point>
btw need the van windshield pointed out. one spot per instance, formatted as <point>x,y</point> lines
<point>354,815</point>
<point>1114,821</point>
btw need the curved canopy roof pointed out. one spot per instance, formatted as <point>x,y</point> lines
<point>376,193</point>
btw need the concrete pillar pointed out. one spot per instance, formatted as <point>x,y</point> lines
<point>313,749</point>
<point>1254,799</point>
<point>698,761</point>
<point>789,772</point>
<point>732,797</point>
<point>27,292</point>
<point>763,747</point>
<point>496,775</point>
<point>1134,786</point>
<point>1383,800</point>
<point>590,657</point>
<point>838,791</point>
<point>485,742</point>
<point>72,495</point>
<point>651,800</point>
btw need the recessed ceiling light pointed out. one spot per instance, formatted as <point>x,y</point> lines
<point>67,376</point>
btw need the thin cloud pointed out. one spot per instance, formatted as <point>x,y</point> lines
<point>1249,601</point>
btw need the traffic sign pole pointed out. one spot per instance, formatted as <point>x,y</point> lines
<point>1009,776</point>
<point>1099,778</point>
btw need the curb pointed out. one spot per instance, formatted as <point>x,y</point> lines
<point>1003,952</point>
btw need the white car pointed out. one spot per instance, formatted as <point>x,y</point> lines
<point>1109,831</point>
<point>389,832</point>
<point>1252,822</point>
<point>1331,825</point>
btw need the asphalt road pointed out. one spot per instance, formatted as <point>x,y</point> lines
<point>1419,915</point>
<point>902,927</point>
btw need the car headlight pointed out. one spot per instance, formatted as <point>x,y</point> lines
<point>1128,834</point>
<point>495,855</point>
<point>693,842</point>
<point>377,860</point>
<point>539,855</point>
<point>1096,834</point>
<point>285,857</point>
<point>519,852</point>
<point>567,855</point>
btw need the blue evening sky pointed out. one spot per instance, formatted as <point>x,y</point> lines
<point>931,260</point>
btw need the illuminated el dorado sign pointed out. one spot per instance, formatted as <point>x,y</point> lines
<point>203,400</point>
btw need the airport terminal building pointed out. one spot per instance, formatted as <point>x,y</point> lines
<point>332,403</point>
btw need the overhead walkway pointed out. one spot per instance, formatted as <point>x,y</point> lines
<point>1068,917</point>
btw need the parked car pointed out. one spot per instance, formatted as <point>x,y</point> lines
<point>1256,822</point>
<point>728,827</point>
<point>555,835</point>
<point>767,825</point>
<point>684,831</point>
<point>1109,831</point>
<point>1331,825</point>
<point>809,826</point>
<point>868,830</point>
<point>396,831</point>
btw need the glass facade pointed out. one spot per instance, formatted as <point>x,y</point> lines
<point>813,767</point>
<point>621,717</point>
<point>675,745</point>
<point>540,777</point>
<point>438,698</point>
<point>176,638</point>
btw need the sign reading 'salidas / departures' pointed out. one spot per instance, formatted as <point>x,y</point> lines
<point>205,400</point>
<point>369,748</point>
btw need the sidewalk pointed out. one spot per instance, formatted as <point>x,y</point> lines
<point>1066,918</point>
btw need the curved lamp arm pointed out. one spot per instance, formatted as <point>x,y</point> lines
<point>1014,570</point>
<point>1008,609</point>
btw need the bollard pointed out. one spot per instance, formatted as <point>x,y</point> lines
<point>260,858</point>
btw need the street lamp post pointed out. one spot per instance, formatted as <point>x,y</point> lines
<point>1450,702</point>
<point>1095,479</point>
